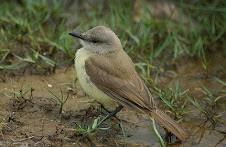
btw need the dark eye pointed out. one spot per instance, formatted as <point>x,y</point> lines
<point>95,40</point>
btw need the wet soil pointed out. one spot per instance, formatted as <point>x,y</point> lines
<point>36,121</point>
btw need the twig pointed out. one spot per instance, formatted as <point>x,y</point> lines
<point>22,139</point>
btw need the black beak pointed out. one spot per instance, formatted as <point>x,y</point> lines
<point>77,36</point>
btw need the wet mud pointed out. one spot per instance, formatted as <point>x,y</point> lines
<point>35,119</point>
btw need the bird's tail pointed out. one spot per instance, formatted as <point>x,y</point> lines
<point>169,123</point>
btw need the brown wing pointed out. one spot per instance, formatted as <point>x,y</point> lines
<point>118,79</point>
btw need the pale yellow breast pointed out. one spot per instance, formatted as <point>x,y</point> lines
<point>88,87</point>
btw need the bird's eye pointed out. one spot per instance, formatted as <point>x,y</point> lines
<point>95,40</point>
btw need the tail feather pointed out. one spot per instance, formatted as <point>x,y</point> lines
<point>169,123</point>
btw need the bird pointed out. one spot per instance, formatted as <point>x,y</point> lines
<point>107,74</point>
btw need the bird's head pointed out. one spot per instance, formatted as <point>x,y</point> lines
<point>100,39</point>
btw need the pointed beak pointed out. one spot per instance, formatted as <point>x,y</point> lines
<point>77,35</point>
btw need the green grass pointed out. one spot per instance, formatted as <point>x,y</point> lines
<point>212,97</point>
<point>94,127</point>
<point>175,98</point>
<point>90,129</point>
<point>24,23</point>
<point>41,25</point>
<point>19,95</point>
<point>196,104</point>
<point>61,100</point>
<point>154,129</point>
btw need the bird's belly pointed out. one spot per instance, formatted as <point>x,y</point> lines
<point>87,86</point>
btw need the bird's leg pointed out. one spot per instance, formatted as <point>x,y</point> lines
<point>102,106</point>
<point>112,113</point>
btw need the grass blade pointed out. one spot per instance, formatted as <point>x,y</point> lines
<point>153,127</point>
<point>196,104</point>
<point>220,81</point>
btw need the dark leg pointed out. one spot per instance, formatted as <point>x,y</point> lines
<point>102,106</point>
<point>113,113</point>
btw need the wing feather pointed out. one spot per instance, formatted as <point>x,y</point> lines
<point>120,81</point>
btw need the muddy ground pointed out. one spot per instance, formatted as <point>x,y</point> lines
<point>36,121</point>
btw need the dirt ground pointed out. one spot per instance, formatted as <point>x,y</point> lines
<point>36,121</point>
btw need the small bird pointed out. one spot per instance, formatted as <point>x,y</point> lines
<point>107,74</point>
